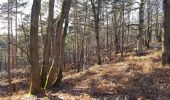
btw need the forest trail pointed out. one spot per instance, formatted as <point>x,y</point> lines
<point>132,77</point>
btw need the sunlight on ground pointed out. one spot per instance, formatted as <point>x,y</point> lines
<point>139,77</point>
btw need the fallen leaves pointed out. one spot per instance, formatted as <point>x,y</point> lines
<point>134,77</point>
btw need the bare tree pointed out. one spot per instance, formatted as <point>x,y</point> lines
<point>96,12</point>
<point>52,80</point>
<point>35,67</point>
<point>141,29</point>
<point>47,48</point>
<point>9,47</point>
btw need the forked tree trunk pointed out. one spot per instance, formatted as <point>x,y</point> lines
<point>47,47</point>
<point>35,67</point>
<point>62,41</point>
<point>166,35</point>
<point>60,76</point>
<point>58,42</point>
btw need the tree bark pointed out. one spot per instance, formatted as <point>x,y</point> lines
<point>58,43</point>
<point>35,67</point>
<point>9,49</point>
<point>166,35</point>
<point>123,29</point>
<point>139,50</point>
<point>16,33</point>
<point>96,12</point>
<point>47,48</point>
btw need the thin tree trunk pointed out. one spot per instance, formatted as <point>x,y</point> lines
<point>16,33</point>
<point>158,35</point>
<point>12,40</point>
<point>123,30</point>
<point>42,31</point>
<point>9,49</point>
<point>107,34</point>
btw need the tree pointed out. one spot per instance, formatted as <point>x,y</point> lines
<point>9,46</point>
<point>141,29</point>
<point>148,34</point>
<point>158,25</point>
<point>166,35</point>
<point>16,33</point>
<point>96,12</point>
<point>57,66</point>
<point>47,48</point>
<point>35,67</point>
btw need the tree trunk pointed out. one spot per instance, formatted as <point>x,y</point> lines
<point>149,25</point>
<point>107,33</point>
<point>96,12</point>
<point>116,36</point>
<point>158,27</point>
<point>47,48</point>
<point>123,29</point>
<point>59,35</point>
<point>9,49</point>
<point>16,34</point>
<point>141,29</point>
<point>166,35</point>
<point>35,67</point>
<point>42,31</point>
<point>59,77</point>
<point>12,40</point>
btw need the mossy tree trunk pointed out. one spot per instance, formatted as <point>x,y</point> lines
<point>57,67</point>
<point>47,47</point>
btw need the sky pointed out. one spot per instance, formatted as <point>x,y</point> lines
<point>27,10</point>
<point>3,25</point>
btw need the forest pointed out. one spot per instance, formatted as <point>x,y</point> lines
<point>85,50</point>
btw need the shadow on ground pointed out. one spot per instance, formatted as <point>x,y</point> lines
<point>153,85</point>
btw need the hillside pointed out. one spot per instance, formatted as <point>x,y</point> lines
<point>131,77</point>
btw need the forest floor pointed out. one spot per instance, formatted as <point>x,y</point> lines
<point>131,77</point>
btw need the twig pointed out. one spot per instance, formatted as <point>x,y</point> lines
<point>21,50</point>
